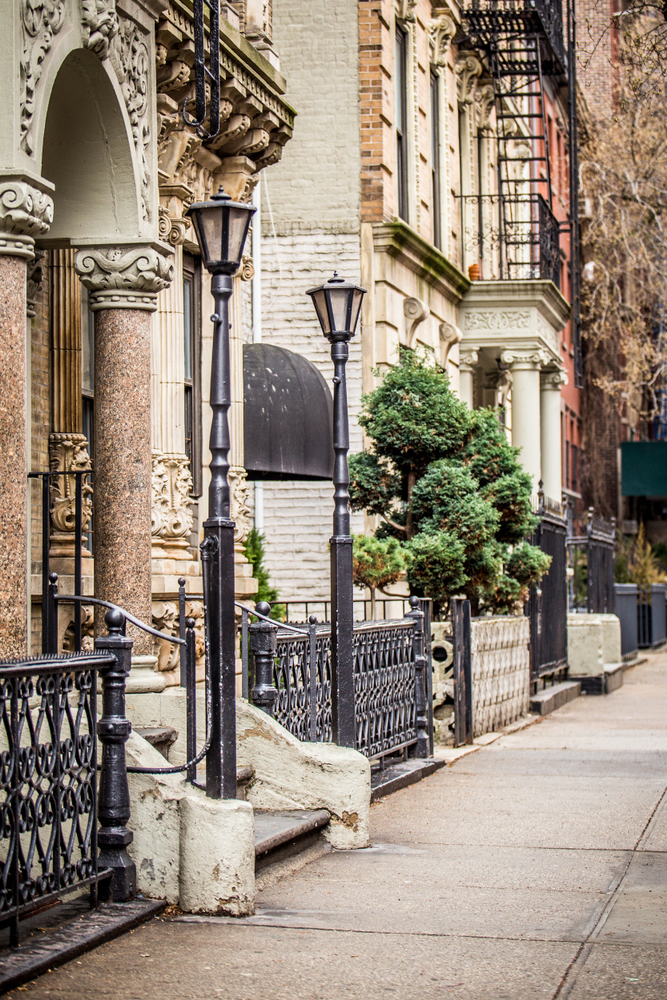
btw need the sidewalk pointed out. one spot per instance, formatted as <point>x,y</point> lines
<point>534,867</point>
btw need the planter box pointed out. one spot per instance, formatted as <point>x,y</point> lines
<point>626,610</point>
<point>651,616</point>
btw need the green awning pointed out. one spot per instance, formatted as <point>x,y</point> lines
<point>644,468</point>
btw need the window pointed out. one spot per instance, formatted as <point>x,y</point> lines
<point>435,160</point>
<point>192,369</point>
<point>401,115</point>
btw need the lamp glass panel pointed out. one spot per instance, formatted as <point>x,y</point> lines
<point>320,302</point>
<point>211,226</point>
<point>239,220</point>
<point>339,300</point>
<point>357,298</point>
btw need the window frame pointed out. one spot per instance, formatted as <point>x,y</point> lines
<point>401,127</point>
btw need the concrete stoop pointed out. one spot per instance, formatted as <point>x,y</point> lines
<point>393,777</point>
<point>610,679</point>
<point>544,702</point>
<point>201,854</point>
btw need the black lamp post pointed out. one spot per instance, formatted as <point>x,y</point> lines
<point>338,304</point>
<point>221,226</point>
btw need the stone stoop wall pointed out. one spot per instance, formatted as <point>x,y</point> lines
<point>500,671</point>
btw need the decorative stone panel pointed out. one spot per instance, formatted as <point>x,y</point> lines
<point>500,671</point>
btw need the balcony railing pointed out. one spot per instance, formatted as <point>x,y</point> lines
<point>511,238</point>
<point>488,19</point>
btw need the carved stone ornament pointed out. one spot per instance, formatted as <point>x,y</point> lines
<point>165,619</point>
<point>507,319</point>
<point>525,359</point>
<point>441,31</point>
<point>247,269</point>
<point>171,514</point>
<point>99,24</point>
<point>415,312</point>
<point>172,230</point>
<point>405,9</point>
<point>25,212</point>
<point>68,452</point>
<point>33,285</point>
<point>240,511</point>
<point>449,335</point>
<point>131,61</point>
<point>485,102</point>
<point>468,69</point>
<point>123,277</point>
<point>40,21</point>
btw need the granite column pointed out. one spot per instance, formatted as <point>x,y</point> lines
<point>24,213</point>
<point>123,283</point>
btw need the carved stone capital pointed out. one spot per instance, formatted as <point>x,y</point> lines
<point>99,24</point>
<point>530,359</point>
<point>468,359</point>
<point>68,453</point>
<point>125,277</point>
<point>553,380</point>
<point>240,511</point>
<point>468,69</point>
<point>171,515</point>
<point>25,212</point>
<point>441,31</point>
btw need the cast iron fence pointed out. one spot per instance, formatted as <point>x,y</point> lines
<point>48,782</point>
<point>591,559</point>
<point>547,605</point>
<point>289,676</point>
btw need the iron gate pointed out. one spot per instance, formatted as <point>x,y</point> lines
<point>547,604</point>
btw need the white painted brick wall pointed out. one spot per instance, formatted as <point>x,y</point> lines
<point>298,515</point>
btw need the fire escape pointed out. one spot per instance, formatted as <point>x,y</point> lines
<point>525,43</point>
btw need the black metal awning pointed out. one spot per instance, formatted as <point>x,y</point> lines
<point>288,416</point>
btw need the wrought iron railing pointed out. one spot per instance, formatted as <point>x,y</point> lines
<point>486,20</point>
<point>591,558</point>
<point>289,676</point>
<point>511,237</point>
<point>48,782</point>
<point>547,603</point>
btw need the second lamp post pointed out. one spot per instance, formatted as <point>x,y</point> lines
<point>338,304</point>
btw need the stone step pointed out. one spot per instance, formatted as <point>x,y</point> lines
<point>160,737</point>
<point>554,697</point>
<point>611,679</point>
<point>65,930</point>
<point>279,834</point>
<point>400,775</point>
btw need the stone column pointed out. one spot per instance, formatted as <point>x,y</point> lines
<point>525,368</point>
<point>123,283</point>
<point>25,212</point>
<point>550,385</point>
<point>468,359</point>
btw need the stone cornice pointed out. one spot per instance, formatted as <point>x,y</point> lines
<point>522,294</point>
<point>401,242</point>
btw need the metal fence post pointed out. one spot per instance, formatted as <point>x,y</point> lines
<point>421,720</point>
<point>312,676</point>
<point>113,730</point>
<point>263,648</point>
<point>463,721</point>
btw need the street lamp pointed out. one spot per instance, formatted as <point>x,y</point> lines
<point>221,226</point>
<point>338,304</point>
